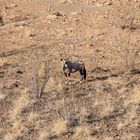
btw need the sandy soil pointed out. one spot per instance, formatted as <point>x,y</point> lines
<point>35,35</point>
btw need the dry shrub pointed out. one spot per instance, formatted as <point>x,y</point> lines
<point>94,61</point>
<point>61,86</point>
<point>18,128</point>
<point>108,138</point>
<point>42,70</point>
<point>121,124</point>
<point>134,97</point>
<point>107,107</point>
<point>129,58</point>
<point>2,96</point>
<point>82,132</point>
<point>40,76</point>
<point>54,84</point>
<point>83,112</point>
<point>60,108</point>
<point>43,135</point>
<point>128,136</point>
<point>60,103</point>
<point>59,126</point>
<point>43,76</point>
<point>32,117</point>
<point>3,61</point>
<point>51,85</point>
<point>9,137</point>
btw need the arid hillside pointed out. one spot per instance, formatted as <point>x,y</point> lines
<point>37,102</point>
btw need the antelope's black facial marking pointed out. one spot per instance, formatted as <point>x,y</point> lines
<point>65,63</point>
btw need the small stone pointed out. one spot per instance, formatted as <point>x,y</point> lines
<point>29,33</point>
<point>11,6</point>
<point>74,13</point>
<point>1,20</point>
<point>62,1</point>
<point>54,15</point>
<point>98,5</point>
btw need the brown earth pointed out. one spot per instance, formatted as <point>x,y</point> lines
<point>105,34</point>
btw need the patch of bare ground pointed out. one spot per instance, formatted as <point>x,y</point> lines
<point>37,102</point>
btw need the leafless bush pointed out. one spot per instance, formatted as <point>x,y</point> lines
<point>42,86</point>
<point>34,80</point>
<point>62,113</point>
<point>129,58</point>
<point>38,82</point>
<point>94,62</point>
<point>54,108</point>
<point>128,22</point>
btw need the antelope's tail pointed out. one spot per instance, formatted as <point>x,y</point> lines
<point>85,73</point>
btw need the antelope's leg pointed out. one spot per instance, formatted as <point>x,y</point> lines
<point>69,74</point>
<point>81,79</point>
<point>81,75</point>
<point>65,74</point>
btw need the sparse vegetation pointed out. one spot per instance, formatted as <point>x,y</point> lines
<point>37,102</point>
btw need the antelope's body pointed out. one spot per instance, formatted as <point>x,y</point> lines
<point>74,66</point>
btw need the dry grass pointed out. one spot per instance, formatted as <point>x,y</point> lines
<point>3,61</point>
<point>18,125</point>
<point>19,104</point>
<point>83,112</point>
<point>55,84</point>
<point>129,136</point>
<point>59,126</point>
<point>2,96</point>
<point>32,117</point>
<point>102,33</point>
<point>18,128</point>
<point>51,85</point>
<point>108,138</point>
<point>82,132</point>
<point>134,97</point>
<point>43,135</point>
<point>9,137</point>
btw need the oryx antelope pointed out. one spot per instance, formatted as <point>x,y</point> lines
<point>74,66</point>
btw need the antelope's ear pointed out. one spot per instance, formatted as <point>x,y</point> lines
<point>61,59</point>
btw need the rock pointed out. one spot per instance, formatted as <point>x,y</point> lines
<point>29,33</point>
<point>12,5</point>
<point>98,5</point>
<point>53,15</point>
<point>56,13</point>
<point>79,12</point>
<point>74,13</point>
<point>64,1</point>
<point>1,21</point>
